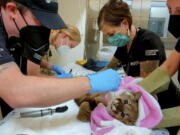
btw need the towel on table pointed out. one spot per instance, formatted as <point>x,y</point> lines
<point>149,114</point>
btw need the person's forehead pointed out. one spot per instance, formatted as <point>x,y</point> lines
<point>173,3</point>
<point>108,28</point>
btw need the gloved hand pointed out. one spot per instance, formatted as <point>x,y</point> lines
<point>104,81</point>
<point>65,75</point>
<point>60,72</point>
<point>57,69</point>
<point>156,82</point>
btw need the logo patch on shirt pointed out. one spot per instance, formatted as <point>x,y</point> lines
<point>53,1</point>
<point>134,63</point>
<point>37,56</point>
<point>151,52</point>
<point>1,49</point>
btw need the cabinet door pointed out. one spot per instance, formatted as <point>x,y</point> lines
<point>158,22</point>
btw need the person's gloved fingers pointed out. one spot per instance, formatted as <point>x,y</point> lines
<point>67,75</point>
<point>104,81</point>
<point>58,69</point>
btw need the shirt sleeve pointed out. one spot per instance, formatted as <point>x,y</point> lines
<point>154,48</point>
<point>120,53</point>
<point>177,47</point>
<point>5,56</point>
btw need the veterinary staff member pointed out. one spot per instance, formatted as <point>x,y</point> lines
<point>24,33</point>
<point>172,64</point>
<point>139,51</point>
<point>63,40</point>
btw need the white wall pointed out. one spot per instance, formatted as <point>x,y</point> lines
<point>73,12</point>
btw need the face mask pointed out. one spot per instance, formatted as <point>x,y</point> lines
<point>14,46</point>
<point>35,40</point>
<point>63,50</point>
<point>174,25</point>
<point>119,40</point>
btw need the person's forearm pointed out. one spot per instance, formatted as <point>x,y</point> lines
<point>42,92</point>
<point>28,91</point>
<point>147,67</point>
<point>172,64</point>
<point>113,63</point>
<point>45,64</point>
<point>35,70</point>
<point>32,68</point>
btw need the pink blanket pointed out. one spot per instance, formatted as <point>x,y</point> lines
<point>149,110</point>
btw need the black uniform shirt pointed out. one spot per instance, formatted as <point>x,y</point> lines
<point>5,56</point>
<point>145,46</point>
<point>177,47</point>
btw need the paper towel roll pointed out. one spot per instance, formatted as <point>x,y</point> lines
<point>106,53</point>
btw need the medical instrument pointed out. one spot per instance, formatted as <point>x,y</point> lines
<point>44,112</point>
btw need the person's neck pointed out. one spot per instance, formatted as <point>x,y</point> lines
<point>132,36</point>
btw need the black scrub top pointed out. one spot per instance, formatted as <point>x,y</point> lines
<point>145,46</point>
<point>6,57</point>
<point>177,47</point>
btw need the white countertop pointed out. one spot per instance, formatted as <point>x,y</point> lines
<point>58,124</point>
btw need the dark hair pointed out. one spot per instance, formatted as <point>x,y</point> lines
<point>114,12</point>
<point>21,7</point>
<point>4,2</point>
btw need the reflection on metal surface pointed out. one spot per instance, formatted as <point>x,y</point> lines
<point>158,22</point>
<point>157,26</point>
<point>159,18</point>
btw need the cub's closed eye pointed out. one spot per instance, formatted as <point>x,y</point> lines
<point>125,102</point>
<point>124,114</point>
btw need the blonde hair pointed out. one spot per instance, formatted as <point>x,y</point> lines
<point>71,31</point>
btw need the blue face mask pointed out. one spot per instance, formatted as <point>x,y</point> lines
<point>119,40</point>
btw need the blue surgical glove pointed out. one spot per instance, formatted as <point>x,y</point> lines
<point>57,69</point>
<point>65,75</point>
<point>60,72</point>
<point>104,81</point>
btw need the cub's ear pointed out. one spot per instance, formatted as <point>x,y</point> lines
<point>137,95</point>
